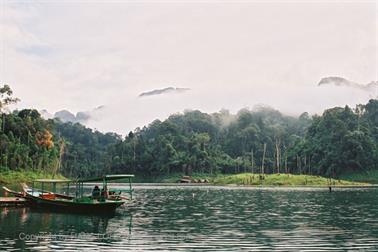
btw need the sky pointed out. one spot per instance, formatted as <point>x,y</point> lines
<point>78,55</point>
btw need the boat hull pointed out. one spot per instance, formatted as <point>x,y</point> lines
<point>74,207</point>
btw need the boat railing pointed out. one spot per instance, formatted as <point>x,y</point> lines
<point>78,186</point>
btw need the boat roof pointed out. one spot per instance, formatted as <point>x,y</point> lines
<point>53,180</point>
<point>107,178</point>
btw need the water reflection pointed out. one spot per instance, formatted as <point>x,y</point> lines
<point>35,228</point>
<point>208,219</point>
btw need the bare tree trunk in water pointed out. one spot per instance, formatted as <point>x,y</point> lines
<point>278,155</point>
<point>263,159</point>
<point>286,171</point>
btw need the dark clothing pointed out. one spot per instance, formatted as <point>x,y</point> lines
<point>96,193</point>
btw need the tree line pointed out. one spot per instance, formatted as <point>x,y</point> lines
<point>262,140</point>
<point>259,141</point>
<point>29,142</point>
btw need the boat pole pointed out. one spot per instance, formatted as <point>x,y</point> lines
<point>131,191</point>
<point>82,189</point>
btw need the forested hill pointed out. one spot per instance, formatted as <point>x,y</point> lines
<point>339,141</point>
<point>28,142</point>
<point>263,140</point>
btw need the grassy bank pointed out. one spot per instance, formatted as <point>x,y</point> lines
<point>14,177</point>
<point>268,180</point>
<point>281,180</point>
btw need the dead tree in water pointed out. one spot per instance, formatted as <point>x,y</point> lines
<point>285,159</point>
<point>263,159</point>
<point>278,156</point>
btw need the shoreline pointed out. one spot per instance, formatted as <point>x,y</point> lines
<point>250,186</point>
<point>230,180</point>
<point>16,177</point>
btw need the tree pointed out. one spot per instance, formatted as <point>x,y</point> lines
<point>338,141</point>
<point>5,100</point>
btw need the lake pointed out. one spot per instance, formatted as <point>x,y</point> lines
<point>206,218</point>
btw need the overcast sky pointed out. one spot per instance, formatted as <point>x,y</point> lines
<point>78,55</point>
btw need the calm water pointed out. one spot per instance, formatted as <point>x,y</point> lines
<point>206,219</point>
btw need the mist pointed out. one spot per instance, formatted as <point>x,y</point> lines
<point>78,56</point>
<point>126,114</point>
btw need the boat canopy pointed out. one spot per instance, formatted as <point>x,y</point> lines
<point>53,180</point>
<point>107,178</point>
<point>79,183</point>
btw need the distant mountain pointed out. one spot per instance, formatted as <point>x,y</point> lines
<point>67,116</point>
<point>45,114</point>
<point>339,81</point>
<point>164,91</point>
<point>372,85</point>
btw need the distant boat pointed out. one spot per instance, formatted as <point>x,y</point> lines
<point>101,201</point>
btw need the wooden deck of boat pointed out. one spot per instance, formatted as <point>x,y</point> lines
<point>12,201</point>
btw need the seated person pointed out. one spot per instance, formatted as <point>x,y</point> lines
<point>96,192</point>
<point>105,192</point>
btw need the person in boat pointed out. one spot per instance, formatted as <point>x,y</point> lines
<point>96,192</point>
<point>105,192</point>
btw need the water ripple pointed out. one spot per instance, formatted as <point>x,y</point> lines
<point>208,219</point>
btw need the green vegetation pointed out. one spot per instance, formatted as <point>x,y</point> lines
<point>257,180</point>
<point>281,180</point>
<point>341,141</point>
<point>367,177</point>
<point>174,177</point>
<point>14,177</point>
<point>264,141</point>
<point>85,152</point>
<point>31,145</point>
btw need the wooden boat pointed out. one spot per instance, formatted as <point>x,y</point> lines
<point>17,194</point>
<point>105,202</point>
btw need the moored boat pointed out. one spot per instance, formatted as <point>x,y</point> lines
<point>12,192</point>
<point>73,198</point>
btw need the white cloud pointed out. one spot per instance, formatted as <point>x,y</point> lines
<point>78,55</point>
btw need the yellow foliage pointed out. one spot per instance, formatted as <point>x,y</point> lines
<point>45,139</point>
